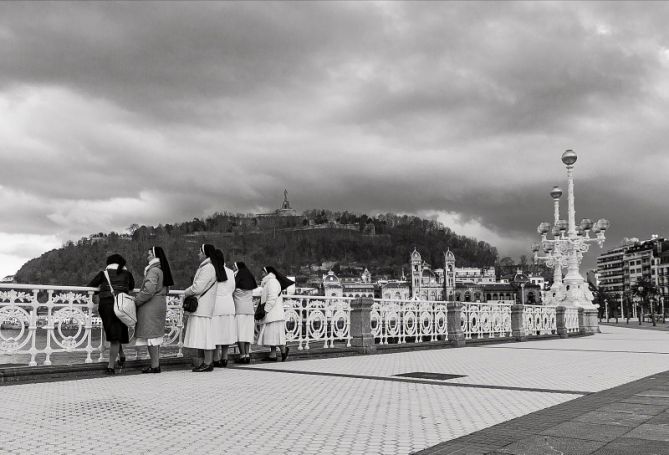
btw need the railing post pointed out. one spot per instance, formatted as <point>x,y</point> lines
<point>361,327</point>
<point>587,321</point>
<point>561,321</point>
<point>582,324</point>
<point>456,337</point>
<point>518,331</point>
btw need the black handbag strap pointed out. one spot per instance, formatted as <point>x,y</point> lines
<point>207,290</point>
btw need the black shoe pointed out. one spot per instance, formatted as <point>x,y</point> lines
<point>220,363</point>
<point>110,371</point>
<point>151,370</point>
<point>204,368</point>
<point>120,363</point>
<point>247,359</point>
<point>284,354</point>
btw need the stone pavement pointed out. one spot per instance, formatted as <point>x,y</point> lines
<point>347,405</point>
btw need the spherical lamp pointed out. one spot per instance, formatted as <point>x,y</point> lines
<point>569,157</point>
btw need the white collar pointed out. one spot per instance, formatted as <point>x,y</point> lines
<point>152,262</point>
<point>114,267</point>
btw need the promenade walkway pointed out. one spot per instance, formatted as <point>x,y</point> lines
<point>348,405</point>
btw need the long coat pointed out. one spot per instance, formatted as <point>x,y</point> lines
<point>151,304</point>
<point>204,277</point>
<point>225,305</point>
<point>271,297</point>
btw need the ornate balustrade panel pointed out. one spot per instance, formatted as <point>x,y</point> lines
<point>485,320</point>
<point>312,319</point>
<point>39,322</point>
<point>540,319</point>
<point>571,320</point>
<point>408,320</point>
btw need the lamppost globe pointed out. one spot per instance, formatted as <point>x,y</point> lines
<point>569,157</point>
<point>556,192</point>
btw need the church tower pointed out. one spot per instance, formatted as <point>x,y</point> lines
<point>416,272</point>
<point>449,275</point>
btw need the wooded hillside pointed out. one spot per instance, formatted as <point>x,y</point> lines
<point>381,243</point>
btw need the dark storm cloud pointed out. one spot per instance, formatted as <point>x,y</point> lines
<point>116,113</point>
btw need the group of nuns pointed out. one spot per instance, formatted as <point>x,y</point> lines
<point>224,314</point>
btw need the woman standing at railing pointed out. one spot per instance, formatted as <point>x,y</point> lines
<point>199,334</point>
<point>223,320</point>
<point>151,304</point>
<point>116,332</point>
<point>273,329</point>
<point>245,283</point>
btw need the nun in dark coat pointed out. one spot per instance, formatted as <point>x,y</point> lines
<point>116,332</point>
<point>151,304</point>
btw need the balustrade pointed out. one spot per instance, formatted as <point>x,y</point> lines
<point>485,320</point>
<point>540,319</point>
<point>399,320</point>
<point>40,322</point>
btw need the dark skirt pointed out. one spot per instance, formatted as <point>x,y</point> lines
<point>115,330</point>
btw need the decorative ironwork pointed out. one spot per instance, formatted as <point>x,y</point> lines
<point>540,319</point>
<point>485,320</point>
<point>40,322</point>
<point>311,319</point>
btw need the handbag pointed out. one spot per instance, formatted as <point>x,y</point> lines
<point>190,302</point>
<point>260,312</point>
<point>124,306</point>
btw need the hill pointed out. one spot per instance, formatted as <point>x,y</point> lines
<point>381,243</point>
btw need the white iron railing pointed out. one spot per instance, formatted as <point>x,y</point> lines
<point>312,319</point>
<point>540,319</point>
<point>485,320</point>
<point>571,320</point>
<point>402,319</point>
<point>41,321</point>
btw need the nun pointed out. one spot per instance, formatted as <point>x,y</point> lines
<point>151,304</point>
<point>273,329</point>
<point>115,278</point>
<point>245,283</point>
<point>223,320</point>
<point>199,334</point>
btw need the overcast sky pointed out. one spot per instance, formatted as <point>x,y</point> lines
<point>120,113</point>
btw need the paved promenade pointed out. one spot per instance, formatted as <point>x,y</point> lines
<point>348,405</point>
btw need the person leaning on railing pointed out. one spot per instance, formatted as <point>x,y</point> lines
<point>245,283</point>
<point>199,334</point>
<point>151,304</point>
<point>223,320</point>
<point>273,328</point>
<point>116,331</point>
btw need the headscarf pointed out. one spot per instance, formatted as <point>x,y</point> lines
<point>116,259</point>
<point>218,262</point>
<point>284,281</point>
<point>164,265</point>
<point>244,278</point>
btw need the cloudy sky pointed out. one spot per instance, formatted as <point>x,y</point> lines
<point>121,113</point>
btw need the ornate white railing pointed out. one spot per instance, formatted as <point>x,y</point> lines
<point>571,320</point>
<point>40,321</point>
<point>402,319</point>
<point>485,320</point>
<point>312,319</point>
<point>540,319</point>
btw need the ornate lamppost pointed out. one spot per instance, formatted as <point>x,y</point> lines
<point>555,257</point>
<point>568,245</point>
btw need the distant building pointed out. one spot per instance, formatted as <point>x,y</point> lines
<point>334,286</point>
<point>8,279</point>
<point>285,210</point>
<point>619,269</point>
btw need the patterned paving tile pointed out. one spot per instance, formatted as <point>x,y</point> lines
<point>267,412</point>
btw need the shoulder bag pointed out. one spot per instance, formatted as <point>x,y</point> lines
<point>124,305</point>
<point>190,302</point>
